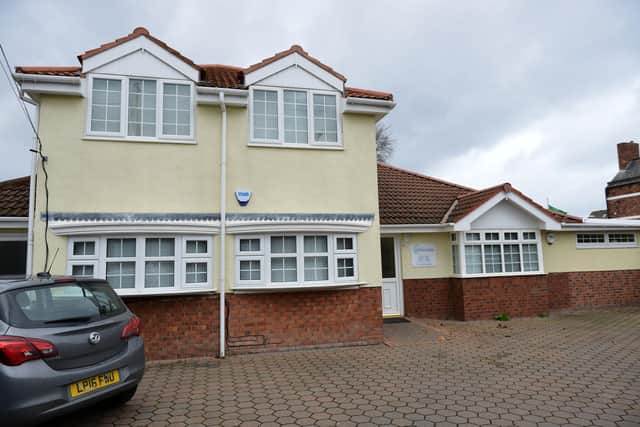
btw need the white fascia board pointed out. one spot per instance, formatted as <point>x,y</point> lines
<point>294,59</point>
<point>35,85</point>
<point>548,222</point>
<point>376,107</point>
<point>415,228</point>
<point>137,44</point>
<point>232,97</point>
<point>68,228</point>
<point>16,222</point>
<point>593,224</point>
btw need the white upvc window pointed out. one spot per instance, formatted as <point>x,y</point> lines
<point>497,253</point>
<point>139,265</point>
<point>140,109</point>
<point>295,260</point>
<point>620,239</point>
<point>294,117</point>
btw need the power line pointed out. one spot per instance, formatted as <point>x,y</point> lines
<point>16,90</point>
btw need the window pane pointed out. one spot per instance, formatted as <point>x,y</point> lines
<point>344,243</point>
<point>160,247</point>
<point>472,236</point>
<point>590,238</point>
<point>315,244</point>
<point>295,117</point>
<point>196,272</point>
<point>197,246</point>
<point>82,270</point>
<point>345,267</point>
<point>473,259</point>
<point>121,248</point>
<point>249,245</point>
<point>511,236</point>
<point>388,258</point>
<point>316,268</point>
<point>121,275</point>
<point>511,258</point>
<point>158,274</point>
<point>105,105</point>
<point>284,269</point>
<point>529,235</point>
<point>142,107</point>
<point>176,109</point>
<point>283,244</point>
<point>325,118</point>
<point>454,259</point>
<point>492,259</point>
<point>530,257</point>
<point>265,114</point>
<point>622,238</point>
<point>84,248</point>
<point>491,236</point>
<point>250,270</point>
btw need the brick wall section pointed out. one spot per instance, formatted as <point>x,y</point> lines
<point>484,298</point>
<point>176,327</point>
<point>259,322</point>
<point>623,207</point>
<point>187,326</point>
<point>427,298</point>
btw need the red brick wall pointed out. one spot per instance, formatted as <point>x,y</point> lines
<point>484,298</point>
<point>629,206</point>
<point>426,298</point>
<point>187,326</point>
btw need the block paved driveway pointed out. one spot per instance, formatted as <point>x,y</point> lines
<point>578,368</point>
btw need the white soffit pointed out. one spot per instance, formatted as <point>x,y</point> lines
<point>294,60</point>
<point>140,44</point>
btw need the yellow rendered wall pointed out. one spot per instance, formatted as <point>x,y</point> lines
<point>443,267</point>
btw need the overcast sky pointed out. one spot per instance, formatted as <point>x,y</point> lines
<point>535,93</point>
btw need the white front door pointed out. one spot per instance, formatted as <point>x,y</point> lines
<point>392,304</point>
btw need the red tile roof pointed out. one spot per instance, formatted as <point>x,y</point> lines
<point>214,75</point>
<point>51,71</point>
<point>366,93</point>
<point>14,197</point>
<point>407,197</point>
<point>137,32</point>
<point>294,49</point>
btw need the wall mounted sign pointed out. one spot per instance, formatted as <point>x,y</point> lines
<point>423,255</point>
<point>243,197</point>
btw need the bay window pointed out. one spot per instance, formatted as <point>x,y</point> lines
<point>295,260</point>
<point>140,109</point>
<point>495,253</point>
<point>144,264</point>
<point>294,117</point>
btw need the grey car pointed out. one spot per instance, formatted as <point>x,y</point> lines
<point>65,343</point>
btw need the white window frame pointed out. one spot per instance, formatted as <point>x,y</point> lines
<point>124,111</point>
<point>180,259</point>
<point>311,143</point>
<point>160,258</point>
<point>607,244</point>
<point>463,238</point>
<point>265,255</point>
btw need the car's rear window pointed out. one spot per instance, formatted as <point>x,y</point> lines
<point>60,304</point>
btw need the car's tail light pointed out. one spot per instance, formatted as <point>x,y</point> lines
<point>15,351</point>
<point>133,328</point>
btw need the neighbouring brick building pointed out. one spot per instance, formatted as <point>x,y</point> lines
<point>623,191</point>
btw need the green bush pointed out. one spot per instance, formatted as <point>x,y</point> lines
<point>502,317</point>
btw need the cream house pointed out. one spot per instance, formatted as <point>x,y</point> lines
<point>186,184</point>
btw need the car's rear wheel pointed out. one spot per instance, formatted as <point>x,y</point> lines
<point>122,398</point>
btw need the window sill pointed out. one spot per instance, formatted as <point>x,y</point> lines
<point>295,288</point>
<point>164,292</point>
<point>330,147</point>
<point>490,275</point>
<point>143,140</point>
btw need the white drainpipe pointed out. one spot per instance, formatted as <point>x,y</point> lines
<point>223,219</point>
<point>32,196</point>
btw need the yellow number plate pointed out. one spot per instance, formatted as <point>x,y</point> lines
<point>94,383</point>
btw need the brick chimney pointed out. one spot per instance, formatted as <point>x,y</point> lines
<point>627,151</point>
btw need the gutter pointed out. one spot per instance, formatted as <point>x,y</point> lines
<point>223,219</point>
<point>416,228</point>
<point>44,78</point>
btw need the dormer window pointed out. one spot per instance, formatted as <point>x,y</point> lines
<point>140,109</point>
<point>294,117</point>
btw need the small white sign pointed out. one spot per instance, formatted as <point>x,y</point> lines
<point>423,255</point>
